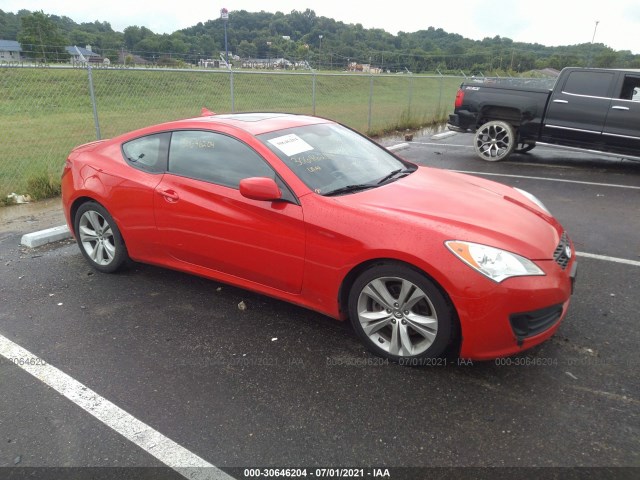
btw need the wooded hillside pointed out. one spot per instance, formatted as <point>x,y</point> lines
<point>296,36</point>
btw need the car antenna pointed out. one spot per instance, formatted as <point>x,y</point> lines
<point>205,112</point>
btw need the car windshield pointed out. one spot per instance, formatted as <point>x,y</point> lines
<point>334,160</point>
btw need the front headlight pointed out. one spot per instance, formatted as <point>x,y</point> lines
<point>533,198</point>
<point>496,264</point>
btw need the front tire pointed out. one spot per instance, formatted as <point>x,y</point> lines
<point>495,141</point>
<point>400,314</point>
<point>99,238</point>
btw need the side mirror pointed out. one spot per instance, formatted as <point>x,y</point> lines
<point>260,188</point>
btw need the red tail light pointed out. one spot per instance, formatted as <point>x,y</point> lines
<point>459,98</point>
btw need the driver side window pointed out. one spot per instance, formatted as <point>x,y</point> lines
<point>214,157</point>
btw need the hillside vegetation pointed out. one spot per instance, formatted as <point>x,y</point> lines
<point>296,36</point>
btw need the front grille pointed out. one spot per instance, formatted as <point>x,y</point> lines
<point>528,324</point>
<point>560,254</point>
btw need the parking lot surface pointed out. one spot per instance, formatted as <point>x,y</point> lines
<point>274,385</point>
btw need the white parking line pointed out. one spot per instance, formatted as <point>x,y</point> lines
<point>175,456</point>
<point>609,259</point>
<point>443,144</point>
<point>562,180</point>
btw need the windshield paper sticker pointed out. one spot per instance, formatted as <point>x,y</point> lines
<point>290,144</point>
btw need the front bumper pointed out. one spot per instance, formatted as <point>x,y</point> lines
<point>521,313</point>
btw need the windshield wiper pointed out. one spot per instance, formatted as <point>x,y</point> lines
<point>405,171</point>
<point>365,186</point>
<point>350,188</point>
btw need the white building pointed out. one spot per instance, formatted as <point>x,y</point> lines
<point>77,53</point>
<point>10,51</point>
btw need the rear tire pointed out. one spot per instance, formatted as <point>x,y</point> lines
<point>99,238</point>
<point>495,141</point>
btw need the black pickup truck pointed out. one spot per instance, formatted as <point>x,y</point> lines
<point>588,109</point>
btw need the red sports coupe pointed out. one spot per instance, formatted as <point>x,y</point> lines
<point>422,261</point>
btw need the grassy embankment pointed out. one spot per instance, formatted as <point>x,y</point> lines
<point>44,113</point>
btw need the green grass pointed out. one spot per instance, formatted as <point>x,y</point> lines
<point>45,112</point>
<point>43,185</point>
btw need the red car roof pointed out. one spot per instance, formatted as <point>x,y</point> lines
<point>257,123</point>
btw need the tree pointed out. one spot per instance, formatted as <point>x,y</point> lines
<point>41,38</point>
<point>247,50</point>
<point>607,59</point>
<point>82,38</point>
<point>135,34</point>
<point>9,25</point>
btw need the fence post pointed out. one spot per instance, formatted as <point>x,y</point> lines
<point>370,100</point>
<point>410,92</point>
<point>233,97</point>
<point>93,104</point>
<point>440,95</point>
<point>313,92</point>
<point>92,94</point>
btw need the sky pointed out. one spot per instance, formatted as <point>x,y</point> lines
<point>548,22</point>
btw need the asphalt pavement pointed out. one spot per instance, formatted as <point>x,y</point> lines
<point>272,385</point>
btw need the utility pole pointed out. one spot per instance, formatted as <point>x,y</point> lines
<point>224,15</point>
<point>592,40</point>
<point>268,54</point>
<point>594,31</point>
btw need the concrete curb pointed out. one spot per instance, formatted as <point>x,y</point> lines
<point>399,146</point>
<point>42,237</point>
<point>442,135</point>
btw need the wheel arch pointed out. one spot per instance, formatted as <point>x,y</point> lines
<point>511,115</point>
<point>357,270</point>
<point>73,210</point>
<point>78,202</point>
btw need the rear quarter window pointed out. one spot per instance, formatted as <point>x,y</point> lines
<point>148,153</point>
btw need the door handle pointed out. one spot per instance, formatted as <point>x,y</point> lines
<point>169,195</point>
<point>560,101</point>
<point>619,107</point>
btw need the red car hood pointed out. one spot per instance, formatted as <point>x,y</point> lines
<point>462,207</point>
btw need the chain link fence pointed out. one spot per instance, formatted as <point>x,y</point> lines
<point>46,111</point>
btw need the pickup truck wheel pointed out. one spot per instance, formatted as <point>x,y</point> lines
<point>524,147</point>
<point>495,141</point>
